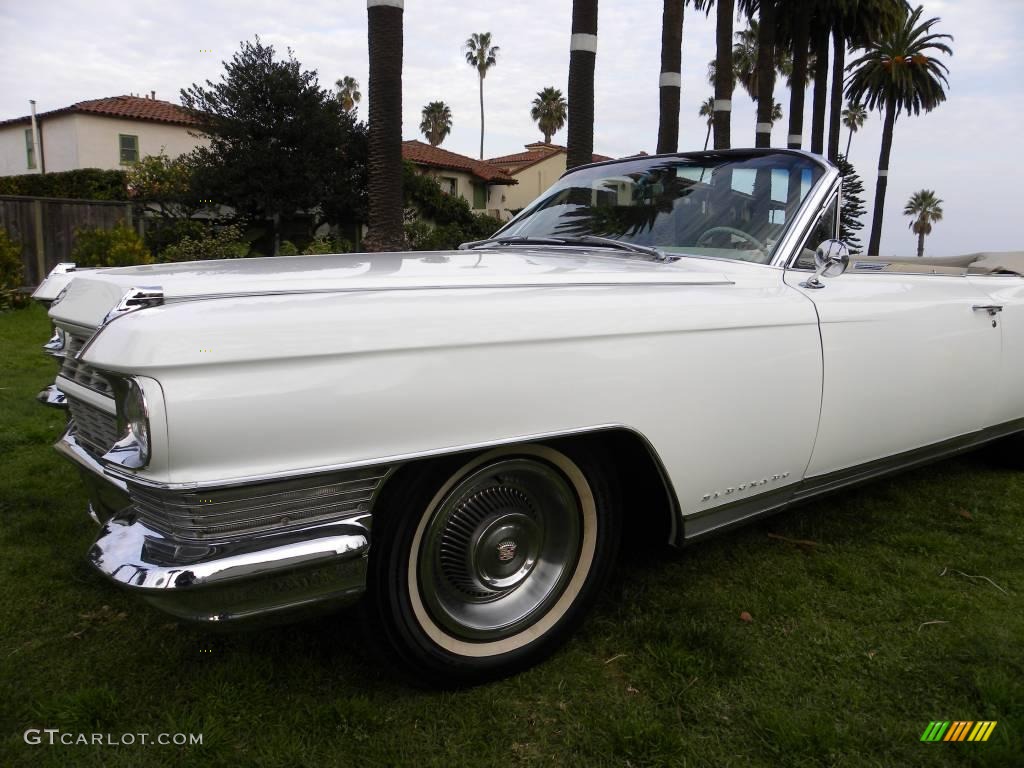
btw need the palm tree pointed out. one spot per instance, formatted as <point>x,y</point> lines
<point>482,55</point>
<point>853,22</point>
<point>765,72</point>
<point>797,32</point>
<point>854,117</point>
<point>385,225</point>
<point>707,111</point>
<point>898,72</point>
<point>926,208</point>
<point>776,114</point>
<point>436,122</point>
<point>347,92</point>
<point>670,81</point>
<point>722,74</point>
<point>582,58</point>
<point>549,110</point>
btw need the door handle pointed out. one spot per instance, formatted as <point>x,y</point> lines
<point>992,309</point>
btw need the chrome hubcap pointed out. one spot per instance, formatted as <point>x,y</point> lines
<point>499,549</point>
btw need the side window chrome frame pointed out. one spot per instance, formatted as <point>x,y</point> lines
<point>832,194</point>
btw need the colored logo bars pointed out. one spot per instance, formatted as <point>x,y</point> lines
<point>959,730</point>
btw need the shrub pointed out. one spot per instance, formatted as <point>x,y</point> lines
<point>287,248</point>
<point>120,246</point>
<point>454,222</point>
<point>81,184</point>
<point>320,245</point>
<point>215,243</point>
<point>11,273</point>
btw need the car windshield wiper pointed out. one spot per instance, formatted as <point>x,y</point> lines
<point>606,242</point>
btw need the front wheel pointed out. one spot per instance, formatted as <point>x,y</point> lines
<point>482,567</point>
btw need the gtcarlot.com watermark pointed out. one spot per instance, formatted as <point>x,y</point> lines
<point>56,737</point>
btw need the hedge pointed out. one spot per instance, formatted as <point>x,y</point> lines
<point>82,184</point>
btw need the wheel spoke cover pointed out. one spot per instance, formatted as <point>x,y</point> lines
<point>499,549</point>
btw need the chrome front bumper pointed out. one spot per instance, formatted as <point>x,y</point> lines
<point>251,580</point>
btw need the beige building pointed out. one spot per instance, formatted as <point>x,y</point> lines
<point>106,133</point>
<point>536,169</point>
<point>484,186</point>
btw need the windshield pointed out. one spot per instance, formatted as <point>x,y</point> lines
<point>723,205</point>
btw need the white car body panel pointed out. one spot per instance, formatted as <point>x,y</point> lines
<point>904,357</point>
<point>409,373</point>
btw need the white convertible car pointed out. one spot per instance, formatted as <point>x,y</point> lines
<point>676,343</point>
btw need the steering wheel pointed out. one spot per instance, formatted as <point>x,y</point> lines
<point>732,231</point>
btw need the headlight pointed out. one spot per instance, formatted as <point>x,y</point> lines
<point>132,450</point>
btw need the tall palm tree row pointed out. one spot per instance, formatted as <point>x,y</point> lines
<point>670,82</point>
<point>925,208</point>
<point>898,72</point>
<point>549,111</point>
<point>347,92</point>
<point>436,122</point>
<point>582,60</point>
<point>481,54</point>
<point>854,117</point>
<point>385,227</point>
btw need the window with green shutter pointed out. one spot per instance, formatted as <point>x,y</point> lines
<point>479,195</point>
<point>129,148</point>
<point>30,148</point>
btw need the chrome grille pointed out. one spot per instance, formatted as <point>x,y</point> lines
<point>263,508</point>
<point>79,372</point>
<point>95,429</point>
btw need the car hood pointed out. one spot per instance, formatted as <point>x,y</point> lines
<point>92,294</point>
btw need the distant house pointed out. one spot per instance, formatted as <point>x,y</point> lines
<point>484,185</point>
<point>106,133</point>
<point>536,169</point>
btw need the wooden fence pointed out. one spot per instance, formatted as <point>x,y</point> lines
<point>45,227</point>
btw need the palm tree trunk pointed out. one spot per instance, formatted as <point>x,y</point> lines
<point>920,243</point>
<point>481,117</point>
<point>384,162</point>
<point>670,83</point>
<point>875,242</point>
<point>836,100</point>
<point>798,88</point>
<point>723,73</point>
<point>582,58</point>
<point>820,38</point>
<point>707,137</point>
<point>848,140</point>
<point>765,74</point>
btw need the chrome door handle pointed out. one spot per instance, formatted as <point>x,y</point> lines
<point>992,309</point>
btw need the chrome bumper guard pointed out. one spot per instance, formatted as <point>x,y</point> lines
<point>258,579</point>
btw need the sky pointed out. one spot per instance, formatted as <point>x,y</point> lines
<point>968,150</point>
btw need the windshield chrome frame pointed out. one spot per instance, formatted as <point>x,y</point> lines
<point>794,233</point>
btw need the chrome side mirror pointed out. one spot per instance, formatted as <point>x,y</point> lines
<point>831,258</point>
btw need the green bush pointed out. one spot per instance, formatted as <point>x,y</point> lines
<point>215,243</point>
<point>11,275</point>
<point>81,184</point>
<point>117,247</point>
<point>321,245</point>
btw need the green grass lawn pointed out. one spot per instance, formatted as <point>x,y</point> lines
<point>856,642</point>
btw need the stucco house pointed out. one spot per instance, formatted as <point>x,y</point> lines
<point>106,133</point>
<point>484,185</point>
<point>536,169</point>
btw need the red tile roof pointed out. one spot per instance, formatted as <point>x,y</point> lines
<point>419,153</point>
<point>534,154</point>
<point>126,107</point>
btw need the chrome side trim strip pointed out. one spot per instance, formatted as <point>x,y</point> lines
<point>700,524</point>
